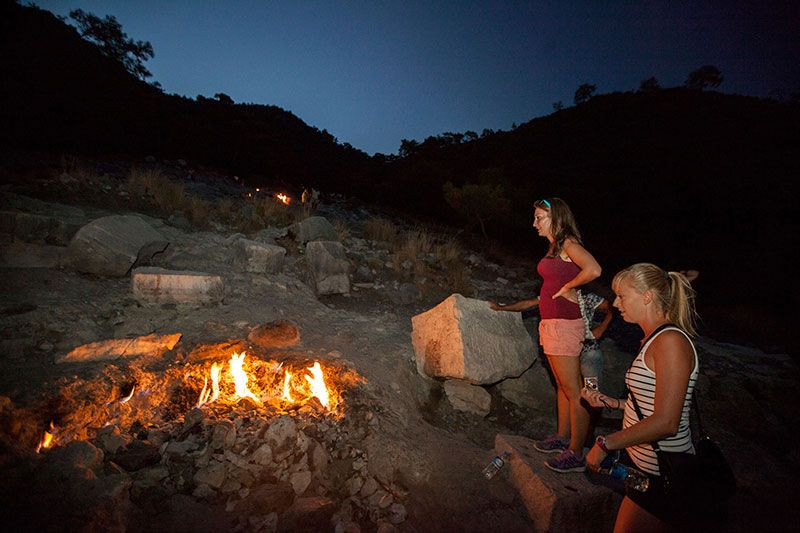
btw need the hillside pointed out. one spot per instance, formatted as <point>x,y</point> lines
<point>60,94</point>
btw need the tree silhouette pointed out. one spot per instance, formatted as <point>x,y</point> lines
<point>223,98</point>
<point>107,34</point>
<point>584,93</point>
<point>481,202</point>
<point>649,85</point>
<point>558,106</point>
<point>705,76</point>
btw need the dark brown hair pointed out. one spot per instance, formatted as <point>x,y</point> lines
<point>562,222</point>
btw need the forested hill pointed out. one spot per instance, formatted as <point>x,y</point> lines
<point>679,177</point>
<point>60,94</point>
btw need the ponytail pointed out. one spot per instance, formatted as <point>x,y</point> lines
<point>672,291</point>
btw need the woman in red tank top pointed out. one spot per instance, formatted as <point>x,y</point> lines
<point>567,265</point>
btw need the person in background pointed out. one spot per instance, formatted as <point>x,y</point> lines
<point>591,354</point>
<point>566,265</point>
<point>660,381</point>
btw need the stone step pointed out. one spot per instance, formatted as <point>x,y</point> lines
<point>158,285</point>
<point>573,502</point>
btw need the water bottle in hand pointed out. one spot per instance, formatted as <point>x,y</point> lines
<point>495,465</point>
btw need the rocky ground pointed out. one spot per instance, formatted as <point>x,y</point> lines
<point>399,455</point>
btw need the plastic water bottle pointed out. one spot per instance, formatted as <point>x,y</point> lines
<point>634,478</point>
<point>495,465</point>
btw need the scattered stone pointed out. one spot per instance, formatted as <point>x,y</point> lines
<point>213,475</point>
<point>277,334</point>
<point>368,488</point>
<point>111,245</point>
<point>259,257</point>
<point>203,492</point>
<point>158,285</point>
<point>262,455</point>
<point>267,498</point>
<point>224,435</point>
<point>532,389</point>
<point>463,338</point>
<point>137,455</point>
<point>281,436</point>
<point>300,481</point>
<point>464,396</point>
<point>110,439</point>
<point>407,293</point>
<point>313,229</point>
<point>77,454</point>
<point>155,345</point>
<point>397,513</point>
<point>329,267</point>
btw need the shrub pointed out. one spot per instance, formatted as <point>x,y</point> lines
<point>381,230</point>
<point>342,229</point>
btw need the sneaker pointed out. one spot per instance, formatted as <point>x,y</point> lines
<point>551,444</point>
<point>566,461</point>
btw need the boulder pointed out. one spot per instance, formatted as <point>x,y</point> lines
<point>532,389</point>
<point>277,334</point>
<point>558,502</point>
<point>329,267</point>
<point>259,257</point>
<point>463,338</point>
<point>121,348</point>
<point>110,246</point>
<point>158,285</point>
<point>313,229</point>
<point>464,396</point>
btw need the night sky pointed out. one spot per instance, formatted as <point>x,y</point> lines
<point>373,73</point>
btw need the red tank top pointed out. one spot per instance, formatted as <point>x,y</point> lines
<point>555,273</point>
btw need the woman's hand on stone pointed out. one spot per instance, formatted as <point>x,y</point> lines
<point>496,306</point>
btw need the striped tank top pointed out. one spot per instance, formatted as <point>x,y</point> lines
<point>641,382</point>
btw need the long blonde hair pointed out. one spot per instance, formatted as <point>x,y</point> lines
<point>672,291</point>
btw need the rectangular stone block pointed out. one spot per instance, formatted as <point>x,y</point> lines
<point>556,502</point>
<point>158,285</point>
<point>121,348</point>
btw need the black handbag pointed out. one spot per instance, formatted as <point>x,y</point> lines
<point>705,477</point>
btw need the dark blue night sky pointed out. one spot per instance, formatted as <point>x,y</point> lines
<point>373,73</point>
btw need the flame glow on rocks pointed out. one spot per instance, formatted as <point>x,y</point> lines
<point>283,198</point>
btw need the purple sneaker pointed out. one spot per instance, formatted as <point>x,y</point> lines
<point>551,444</point>
<point>566,461</point>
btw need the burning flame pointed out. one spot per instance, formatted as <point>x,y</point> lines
<point>287,391</point>
<point>47,438</point>
<point>240,377</point>
<point>210,395</point>
<point>317,382</point>
<point>283,198</point>
<point>127,398</point>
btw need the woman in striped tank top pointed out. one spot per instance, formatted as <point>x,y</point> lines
<point>661,379</point>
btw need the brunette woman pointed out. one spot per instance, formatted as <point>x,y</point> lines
<point>660,381</point>
<point>566,265</point>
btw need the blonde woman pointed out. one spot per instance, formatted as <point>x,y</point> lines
<point>660,380</point>
<point>566,265</point>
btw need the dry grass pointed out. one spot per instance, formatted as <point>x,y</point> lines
<point>165,194</point>
<point>381,230</point>
<point>342,229</point>
<point>448,252</point>
<point>414,247</point>
<point>198,211</point>
<point>272,212</point>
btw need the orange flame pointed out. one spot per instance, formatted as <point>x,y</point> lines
<point>283,198</point>
<point>317,382</point>
<point>287,391</point>
<point>240,377</point>
<point>47,438</point>
<point>210,395</point>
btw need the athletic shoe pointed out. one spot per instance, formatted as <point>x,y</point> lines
<point>566,461</point>
<point>551,444</point>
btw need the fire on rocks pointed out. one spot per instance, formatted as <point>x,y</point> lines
<point>271,438</point>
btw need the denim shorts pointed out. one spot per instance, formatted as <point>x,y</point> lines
<point>592,359</point>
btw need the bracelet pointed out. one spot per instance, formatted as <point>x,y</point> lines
<point>601,441</point>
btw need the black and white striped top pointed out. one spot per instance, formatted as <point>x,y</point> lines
<point>641,382</point>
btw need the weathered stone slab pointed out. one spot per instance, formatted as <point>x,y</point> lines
<point>110,246</point>
<point>532,389</point>
<point>463,338</point>
<point>259,257</point>
<point>220,350</point>
<point>121,348</point>
<point>329,267</point>
<point>26,255</point>
<point>313,229</point>
<point>557,502</point>
<point>464,396</point>
<point>277,334</point>
<point>158,285</point>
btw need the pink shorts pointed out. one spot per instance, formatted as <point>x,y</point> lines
<point>561,336</point>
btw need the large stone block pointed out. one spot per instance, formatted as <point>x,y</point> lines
<point>110,246</point>
<point>463,338</point>
<point>464,396</point>
<point>259,257</point>
<point>558,502</point>
<point>158,285</point>
<point>313,229</point>
<point>329,267</point>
